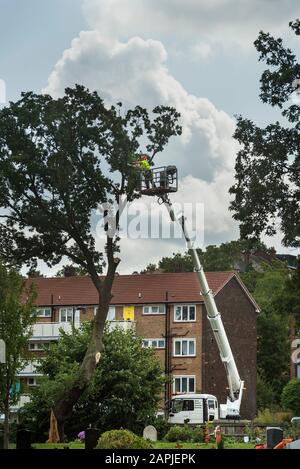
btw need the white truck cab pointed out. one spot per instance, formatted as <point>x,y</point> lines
<point>193,408</point>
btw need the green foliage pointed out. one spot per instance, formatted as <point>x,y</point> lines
<point>179,433</point>
<point>272,417</point>
<point>177,263</point>
<point>265,394</point>
<point>122,439</point>
<point>124,391</point>
<point>16,320</point>
<point>197,435</point>
<point>273,348</point>
<point>214,258</point>
<point>267,165</point>
<point>162,426</point>
<point>290,398</point>
<point>59,160</point>
<point>70,270</point>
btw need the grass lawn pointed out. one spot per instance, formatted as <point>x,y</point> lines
<point>158,445</point>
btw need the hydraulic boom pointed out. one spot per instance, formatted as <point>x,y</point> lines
<point>230,410</point>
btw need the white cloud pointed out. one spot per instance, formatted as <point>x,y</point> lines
<point>235,21</point>
<point>135,71</point>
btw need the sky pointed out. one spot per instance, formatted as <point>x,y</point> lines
<point>196,55</point>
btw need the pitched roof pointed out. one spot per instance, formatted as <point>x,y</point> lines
<point>128,289</point>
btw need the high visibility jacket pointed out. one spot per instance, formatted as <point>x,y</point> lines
<point>144,164</point>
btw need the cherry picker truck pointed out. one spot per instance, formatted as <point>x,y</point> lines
<point>196,408</point>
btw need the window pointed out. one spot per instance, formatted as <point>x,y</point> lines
<point>182,405</point>
<point>43,313</point>
<point>31,382</point>
<point>154,309</point>
<point>184,347</point>
<point>184,313</point>
<point>111,315</point>
<point>183,384</point>
<point>155,343</point>
<point>39,346</point>
<point>66,314</point>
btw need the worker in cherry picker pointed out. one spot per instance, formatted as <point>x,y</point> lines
<point>142,163</point>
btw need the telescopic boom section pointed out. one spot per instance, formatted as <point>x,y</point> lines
<point>232,408</point>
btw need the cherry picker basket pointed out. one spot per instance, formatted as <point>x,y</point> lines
<point>158,181</point>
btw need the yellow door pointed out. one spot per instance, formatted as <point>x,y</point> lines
<point>128,313</point>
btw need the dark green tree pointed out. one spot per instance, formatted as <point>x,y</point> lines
<point>124,391</point>
<point>214,258</point>
<point>273,347</point>
<point>290,398</point>
<point>71,270</point>
<point>16,319</point>
<point>60,161</point>
<point>267,170</point>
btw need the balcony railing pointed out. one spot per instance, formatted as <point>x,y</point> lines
<point>29,370</point>
<point>124,325</point>
<point>24,399</point>
<point>50,330</point>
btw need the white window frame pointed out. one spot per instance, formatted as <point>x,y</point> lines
<point>34,382</point>
<point>150,309</point>
<point>41,312</point>
<point>67,308</point>
<point>180,377</point>
<point>188,340</point>
<point>36,349</point>
<point>150,343</point>
<point>181,307</point>
<point>111,308</point>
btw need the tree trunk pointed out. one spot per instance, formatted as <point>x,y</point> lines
<point>64,406</point>
<point>6,422</point>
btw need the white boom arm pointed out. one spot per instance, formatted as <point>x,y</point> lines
<point>232,408</point>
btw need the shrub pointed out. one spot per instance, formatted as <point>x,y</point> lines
<point>197,435</point>
<point>290,397</point>
<point>162,426</point>
<point>178,433</point>
<point>267,416</point>
<point>122,439</point>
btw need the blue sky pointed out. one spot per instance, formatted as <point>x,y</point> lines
<point>195,55</point>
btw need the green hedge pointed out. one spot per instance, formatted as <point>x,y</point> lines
<point>122,439</point>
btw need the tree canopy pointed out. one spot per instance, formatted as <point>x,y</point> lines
<point>267,170</point>
<point>124,391</point>
<point>16,318</point>
<point>60,161</point>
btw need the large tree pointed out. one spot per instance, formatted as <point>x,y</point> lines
<point>16,318</point>
<point>60,159</point>
<point>267,188</point>
<point>124,392</point>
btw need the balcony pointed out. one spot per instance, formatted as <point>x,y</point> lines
<point>50,330</point>
<point>123,325</point>
<point>24,399</point>
<point>29,370</point>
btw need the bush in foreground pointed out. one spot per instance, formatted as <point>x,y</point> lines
<point>122,439</point>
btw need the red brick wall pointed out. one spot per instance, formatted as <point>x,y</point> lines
<point>239,318</point>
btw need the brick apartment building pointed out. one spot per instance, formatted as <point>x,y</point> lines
<point>167,311</point>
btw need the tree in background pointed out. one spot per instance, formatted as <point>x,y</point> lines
<point>70,270</point>
<point>124,391</point>
<point>60,161</point>
<point>16,317</point>
<point>290,398</point>
<point>34,273</point>
<point>213,258</point>
<point>267,170</point>
<point>268,287</point>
